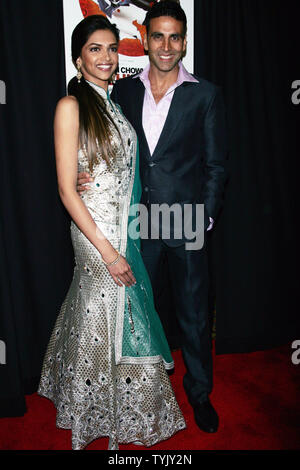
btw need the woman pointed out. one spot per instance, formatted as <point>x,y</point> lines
<point>104,368</point>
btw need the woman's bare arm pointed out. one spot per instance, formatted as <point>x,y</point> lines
<point>66,132</point>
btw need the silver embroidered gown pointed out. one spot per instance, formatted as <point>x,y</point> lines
<point>94,394</point>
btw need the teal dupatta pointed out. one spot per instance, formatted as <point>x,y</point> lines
<point>140,338</point>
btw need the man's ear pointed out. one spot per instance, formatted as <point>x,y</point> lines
<point>145,42</point>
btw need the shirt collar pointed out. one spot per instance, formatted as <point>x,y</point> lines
<point>183,76</point>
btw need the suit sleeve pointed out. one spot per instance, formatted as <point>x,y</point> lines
<point>215,136</point>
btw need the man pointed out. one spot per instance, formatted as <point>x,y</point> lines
<point>179,120</point>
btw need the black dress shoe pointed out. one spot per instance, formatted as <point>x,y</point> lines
<point>206,417</point>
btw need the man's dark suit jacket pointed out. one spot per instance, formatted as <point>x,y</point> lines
<point>188,163</point>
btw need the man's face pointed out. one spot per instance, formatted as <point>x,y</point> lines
<point>165,43</point>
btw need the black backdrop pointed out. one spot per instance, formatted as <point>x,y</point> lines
<point>247,47</point>
<point>36,254</point>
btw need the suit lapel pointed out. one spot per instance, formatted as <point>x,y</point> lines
<point>137,120</point>
<point>173,119</point>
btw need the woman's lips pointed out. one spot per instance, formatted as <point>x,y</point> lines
<point>104,67</point>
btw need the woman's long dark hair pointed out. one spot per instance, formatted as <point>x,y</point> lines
<point>94,120</point>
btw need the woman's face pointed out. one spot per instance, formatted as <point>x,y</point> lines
<point>99,57</point>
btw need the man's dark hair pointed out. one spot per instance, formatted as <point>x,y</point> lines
<point>166,8</point>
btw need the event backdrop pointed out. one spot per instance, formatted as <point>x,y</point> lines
<point>128,15</point>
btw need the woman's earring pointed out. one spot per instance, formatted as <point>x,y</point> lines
<point>113,78</point>
<point>79,74</point>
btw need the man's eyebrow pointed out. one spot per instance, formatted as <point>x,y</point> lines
<point>157,33</point>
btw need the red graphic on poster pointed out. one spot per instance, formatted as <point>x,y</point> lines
<point>88,7</point>
<point>132,47</point>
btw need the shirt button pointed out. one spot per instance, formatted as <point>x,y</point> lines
<point>146,189</point>
<point>152,164</point>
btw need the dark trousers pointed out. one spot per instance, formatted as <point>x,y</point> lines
<point>189,283</point>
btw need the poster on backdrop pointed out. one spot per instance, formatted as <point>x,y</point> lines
<point>128,15</point>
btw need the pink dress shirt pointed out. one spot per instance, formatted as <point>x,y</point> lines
<point>155,115</point>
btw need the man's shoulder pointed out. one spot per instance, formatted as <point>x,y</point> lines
<point>205,86</point>
<point>124,90</point>
<point>127,82</point>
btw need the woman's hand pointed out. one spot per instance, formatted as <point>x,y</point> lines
<point>121,271</point>
<point>82,180</point>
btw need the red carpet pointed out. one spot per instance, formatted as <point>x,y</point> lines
<point>256,396</point>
